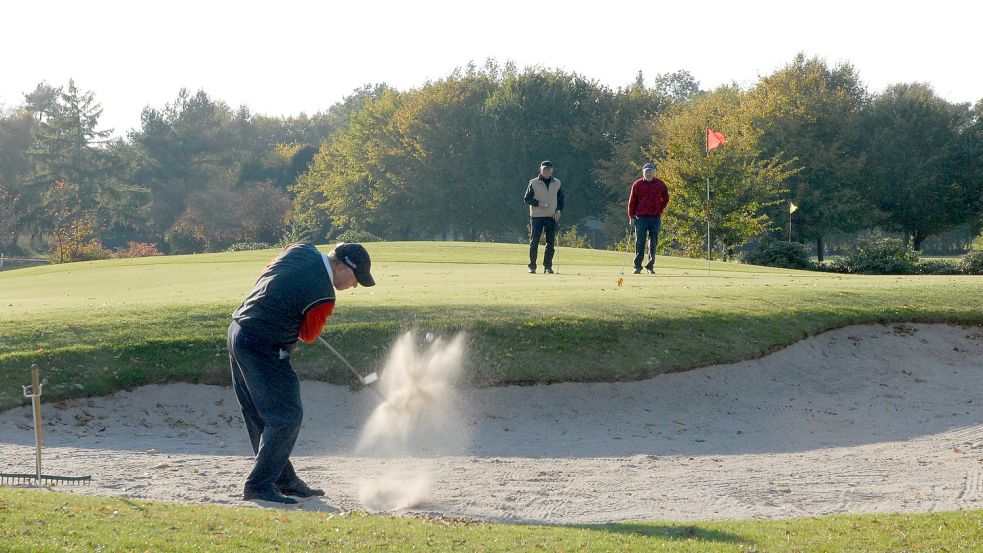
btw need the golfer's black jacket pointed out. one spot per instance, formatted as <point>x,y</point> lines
<point>292,285</point>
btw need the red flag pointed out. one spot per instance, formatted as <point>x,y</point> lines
<point>714,139</point>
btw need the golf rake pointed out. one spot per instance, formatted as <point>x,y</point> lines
<point>34,394</point>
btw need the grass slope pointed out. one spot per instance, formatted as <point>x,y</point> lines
<point>39,521</point>
<point>96,327</point>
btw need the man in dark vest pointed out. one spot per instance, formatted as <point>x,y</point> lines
<point>545,199</point>
<point>292,300</point>
<point>649,198</point>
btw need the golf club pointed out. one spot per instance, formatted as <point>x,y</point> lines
<point>556,250</point>
<point>370,378</point>
<point>627,246</point>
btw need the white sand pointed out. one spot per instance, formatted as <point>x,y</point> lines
<point>861,419</point>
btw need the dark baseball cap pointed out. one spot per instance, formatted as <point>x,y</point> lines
<point>357,259</point>
<point>546,163</point>
<point>648,166</point>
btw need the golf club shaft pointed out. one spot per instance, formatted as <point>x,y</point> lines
<point>556,248</point>
<point>624,260</point>
<point>343,360</point>
<point>358,375</point>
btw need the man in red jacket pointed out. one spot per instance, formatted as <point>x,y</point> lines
<point>649,198</point>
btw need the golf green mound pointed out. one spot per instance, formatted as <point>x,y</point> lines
<point>98,327</point>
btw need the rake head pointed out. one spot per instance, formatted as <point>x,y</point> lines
<point>46,479</point>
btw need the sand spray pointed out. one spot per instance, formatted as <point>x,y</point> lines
<point>420,419</point>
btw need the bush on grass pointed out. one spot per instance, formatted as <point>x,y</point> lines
<point>356,236</point>
<point>137,249</point>
<point>247,246</point>
<point>972,263</point>
<point>69,253</point>
<point>937,267</point>
<point>778,253</point>
<point>886,256</point>
<point>572,238</point>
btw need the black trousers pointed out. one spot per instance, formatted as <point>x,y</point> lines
<point>643,226</point>
<point>537,225</point>
<point>268,391</point>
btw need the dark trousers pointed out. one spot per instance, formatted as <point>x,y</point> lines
<point>536,227</point>
<point>268,391</point>
<point>649,226</point>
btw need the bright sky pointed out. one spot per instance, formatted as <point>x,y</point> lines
<point>287,56</point>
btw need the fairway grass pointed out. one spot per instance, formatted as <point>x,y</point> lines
<point>39,521</point>
<point>97,327</point>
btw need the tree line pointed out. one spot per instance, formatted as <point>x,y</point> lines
<point>450,160</point>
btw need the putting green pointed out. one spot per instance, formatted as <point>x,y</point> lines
<point>99,326</point>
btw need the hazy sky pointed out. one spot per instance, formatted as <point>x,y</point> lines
<point>284,57</point>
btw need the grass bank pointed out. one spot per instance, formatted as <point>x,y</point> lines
<point>38,521</point>
<point>96,327</point>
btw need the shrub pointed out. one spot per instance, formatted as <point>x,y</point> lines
<point>261,213</point>
<point>832,266</point>
<point>625,243</point>
<point>217,218</point>
<point>299,229</point>
<point>246,246</point>
<point>887,256</point>
<point>972,263</point>
<point>778,253</point>
<point>977,244</point>
<point>137,249</point>
<point>571,239</point>
<point>180,241</point>
<point>91,251</point>
<point>937,267</point>
<point>356,236</point>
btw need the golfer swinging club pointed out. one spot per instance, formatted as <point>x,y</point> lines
<point>292,300</point>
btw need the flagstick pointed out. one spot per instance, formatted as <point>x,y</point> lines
<point>708,225</point>
<point>706,151</point>
<point>718,139</point>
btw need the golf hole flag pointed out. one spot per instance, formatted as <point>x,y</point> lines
<point>792,207</point>
<point>715,139</point>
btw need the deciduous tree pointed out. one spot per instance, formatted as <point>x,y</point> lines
<point>915,166</point>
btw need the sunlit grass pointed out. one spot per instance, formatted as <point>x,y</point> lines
<point>100,326</point>
<point>40,521</point>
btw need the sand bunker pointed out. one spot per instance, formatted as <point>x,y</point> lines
<point>861,419</point>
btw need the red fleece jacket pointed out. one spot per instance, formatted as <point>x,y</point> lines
<point>648,199</point>
<point>314,322</point>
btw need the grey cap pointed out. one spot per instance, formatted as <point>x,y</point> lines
<point>648,166</point>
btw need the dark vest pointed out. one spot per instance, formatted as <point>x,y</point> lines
<point>288,288</point>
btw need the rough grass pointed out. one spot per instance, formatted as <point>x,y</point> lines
<point>39,521</point>
<point>96,327</point>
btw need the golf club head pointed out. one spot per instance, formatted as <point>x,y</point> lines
<point>370,378</point>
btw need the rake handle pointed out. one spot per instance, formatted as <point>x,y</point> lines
<point>36,401</point>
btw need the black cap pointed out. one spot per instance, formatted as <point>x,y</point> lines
<point>357,259</point>
<point>546,163</point>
